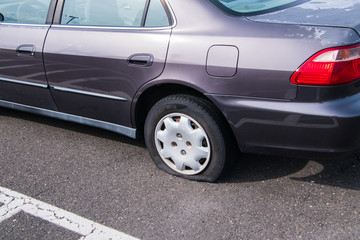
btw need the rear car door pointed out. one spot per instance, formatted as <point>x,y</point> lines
<point>98,53</point>
<point>23,28</point>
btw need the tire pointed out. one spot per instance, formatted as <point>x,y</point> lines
<point>185,137</point>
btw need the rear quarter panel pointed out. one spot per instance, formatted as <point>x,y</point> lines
<point>268,53</point>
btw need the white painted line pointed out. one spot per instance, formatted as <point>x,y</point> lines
<point>15,202</point>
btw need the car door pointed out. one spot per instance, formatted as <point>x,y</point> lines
<point>99,53</point>
<point>23,28</point>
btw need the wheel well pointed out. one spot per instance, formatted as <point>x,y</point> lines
<point>154,94</point>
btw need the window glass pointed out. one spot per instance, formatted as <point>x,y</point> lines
<point>156,16</point>
<point>118,13</point>
<point>132,11</point>
<point>24,11</point>
<point>252,6</point>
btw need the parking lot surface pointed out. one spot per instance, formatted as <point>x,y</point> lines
<point>110,180</point>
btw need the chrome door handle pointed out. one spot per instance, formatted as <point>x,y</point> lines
<point>28,50</point>
<point>141,60</point>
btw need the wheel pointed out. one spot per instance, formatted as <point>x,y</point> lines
<point>185,137</point>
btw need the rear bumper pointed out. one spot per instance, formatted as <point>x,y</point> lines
<point>329,129</point>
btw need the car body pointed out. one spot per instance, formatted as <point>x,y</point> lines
<point>195,78</point>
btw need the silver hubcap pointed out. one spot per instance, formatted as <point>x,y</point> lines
<point>182,144</point>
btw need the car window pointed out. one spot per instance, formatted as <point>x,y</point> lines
<point>24,11</point>
<point>117,13</point>
<point>251,7</point>
<point>156,15</point>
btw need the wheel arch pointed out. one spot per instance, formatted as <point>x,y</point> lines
<point>146,98</point>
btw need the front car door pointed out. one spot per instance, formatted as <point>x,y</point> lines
<point>98,54</point>
<point>23,28</point>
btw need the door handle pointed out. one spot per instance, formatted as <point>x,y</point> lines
<point>26,50</point>
<point>141,60</point>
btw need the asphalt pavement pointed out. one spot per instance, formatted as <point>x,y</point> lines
<point>110,180</point>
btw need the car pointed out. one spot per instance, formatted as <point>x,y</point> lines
<point>197,79</point>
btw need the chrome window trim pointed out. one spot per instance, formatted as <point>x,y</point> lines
<point>173,18</point>
<point>24,82</point>
<point>26,24</point>
<point>108,27</point>
<point>127,131</point>
<point>112,97</point>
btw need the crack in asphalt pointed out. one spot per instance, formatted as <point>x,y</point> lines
<point>92,232</point>
<point>44,191</point>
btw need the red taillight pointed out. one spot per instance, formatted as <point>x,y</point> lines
<point>330,67</point>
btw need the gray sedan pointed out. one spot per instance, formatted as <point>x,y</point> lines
<point>196,79</point>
